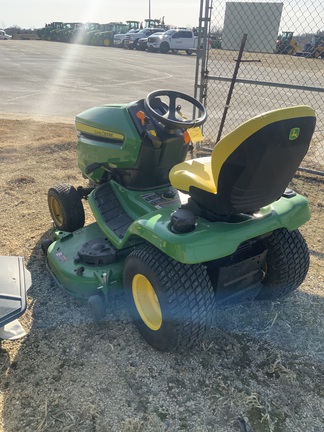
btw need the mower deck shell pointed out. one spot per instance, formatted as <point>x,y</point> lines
<point>78,279</point>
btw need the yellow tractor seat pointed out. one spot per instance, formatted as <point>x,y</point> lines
<point>252,165</point>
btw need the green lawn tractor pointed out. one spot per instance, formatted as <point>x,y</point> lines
<point>180,236</point>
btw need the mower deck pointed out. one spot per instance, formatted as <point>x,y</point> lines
<point>92,257</point>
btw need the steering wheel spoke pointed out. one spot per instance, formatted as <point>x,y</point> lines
<point>172,107</point>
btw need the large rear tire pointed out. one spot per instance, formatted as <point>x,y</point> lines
<point>172,304</point>
<point>66,207</point>
<point>287,264</point>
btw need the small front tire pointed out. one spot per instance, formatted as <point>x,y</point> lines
<point>66,207</point>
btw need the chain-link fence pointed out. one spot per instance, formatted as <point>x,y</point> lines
<point>282,64</point>
<point>262,56</point>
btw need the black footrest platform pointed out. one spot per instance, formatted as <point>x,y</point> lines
<point>111,211</point>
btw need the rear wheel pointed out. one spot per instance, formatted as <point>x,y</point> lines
<point>66,207</point>
<point>189,52</point>
<point>172,304</point>
<point>287,264</point>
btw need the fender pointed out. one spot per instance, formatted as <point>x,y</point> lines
<point>215,240</point>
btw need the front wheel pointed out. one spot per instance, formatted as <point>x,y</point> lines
<point>172,304</point>
<point>287,264</point>
<point>66,207</point>
<point>164,48</point>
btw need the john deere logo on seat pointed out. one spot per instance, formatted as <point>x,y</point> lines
<point>294,134</point>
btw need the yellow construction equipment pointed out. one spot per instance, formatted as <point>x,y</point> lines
<point>286,44</point>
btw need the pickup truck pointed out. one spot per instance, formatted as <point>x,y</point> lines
<point>119,39</point>
<point>132,39</point>
<point>173,40</point>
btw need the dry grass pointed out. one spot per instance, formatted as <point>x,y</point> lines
<point>260,369</point>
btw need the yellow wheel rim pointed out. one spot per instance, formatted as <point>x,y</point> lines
<point>106,42</point>
<point>146,302</point>
<point>56,211</point>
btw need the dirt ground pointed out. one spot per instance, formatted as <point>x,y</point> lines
<point>260,368</point>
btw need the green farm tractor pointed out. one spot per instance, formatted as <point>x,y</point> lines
<point>85,34</point>
<point>46,33</point>
<point>180,235</point>
<point>67,32</point>
<point>105,37</point>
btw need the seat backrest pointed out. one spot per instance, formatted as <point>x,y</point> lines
<point>253,164</point>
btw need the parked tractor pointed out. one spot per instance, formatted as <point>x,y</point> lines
<point>85,34</point>
<point>286,44</point>
<point>106,37</point>
<point>313,49</point>
<point>46,33</point>
<point>120,37</point>
<point>66,32</point>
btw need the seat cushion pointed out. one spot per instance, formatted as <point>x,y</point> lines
<point>194,172</point>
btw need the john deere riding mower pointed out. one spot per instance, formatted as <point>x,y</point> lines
<point>178,235</point>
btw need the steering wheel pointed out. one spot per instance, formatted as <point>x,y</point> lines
<point>172,118</point>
